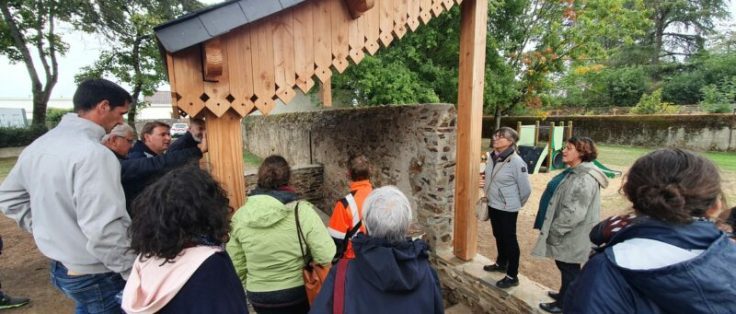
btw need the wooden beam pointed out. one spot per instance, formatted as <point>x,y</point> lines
<point>358,7</point>
<point>212,59</point>
<point>225,141</point>
<point>474,14</point>
<point>325,93</point>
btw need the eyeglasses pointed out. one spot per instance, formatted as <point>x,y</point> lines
<point>498,137</point>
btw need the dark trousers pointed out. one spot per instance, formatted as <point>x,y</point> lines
<point>504,230</point>
<point>569,272</point>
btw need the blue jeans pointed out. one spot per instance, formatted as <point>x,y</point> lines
<point>92,293</point>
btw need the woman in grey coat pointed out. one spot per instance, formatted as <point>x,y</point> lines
<point>571,206</point>
<point>507,188</point>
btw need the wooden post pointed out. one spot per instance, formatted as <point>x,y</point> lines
<point>225,141</point>
<point>550,149</point>
<point>518,127</point>
<point>536,133</point>
<point>569,129</point>
<point>474,14</point>
<point>325,92</point>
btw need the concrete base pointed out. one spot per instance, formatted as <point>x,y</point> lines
<point>468,284</point>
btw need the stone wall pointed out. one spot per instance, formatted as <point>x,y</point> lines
<point>307,180</point>
<point>707,132</point>
<point>412,147</point>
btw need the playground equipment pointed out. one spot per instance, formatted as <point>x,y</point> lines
<point>549,157</point>
<point>542,158</point>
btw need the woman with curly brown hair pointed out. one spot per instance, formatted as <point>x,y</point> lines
<point>569,208</point>
<point>671,258</point>
<point>178,232</point>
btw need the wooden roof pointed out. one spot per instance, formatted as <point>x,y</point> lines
<point>225,59</point>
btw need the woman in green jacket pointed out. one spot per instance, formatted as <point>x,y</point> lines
<point>264,243</point>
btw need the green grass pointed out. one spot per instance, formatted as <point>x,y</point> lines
<point>624,156</point>
<point>5,165</point>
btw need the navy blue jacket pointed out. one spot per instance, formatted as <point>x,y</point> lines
<point>385,278</point>
<point>184,142</point>
<point>213,288</point>
<point>704,284</point>
<point>137,173</point>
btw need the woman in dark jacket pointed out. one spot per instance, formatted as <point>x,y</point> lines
<point>390,273</point>
<point>671,258</point>
<point>178,233</point>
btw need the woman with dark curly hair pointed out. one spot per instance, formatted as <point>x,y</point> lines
<point>671,257</point>
<point>178,232</point>
<point>569,208</point>
<point>266,247</point>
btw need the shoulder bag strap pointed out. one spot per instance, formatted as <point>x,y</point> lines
<point>338,301</point>
<point>300,235</point>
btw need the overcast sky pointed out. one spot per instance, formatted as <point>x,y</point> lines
<point>84,50</point>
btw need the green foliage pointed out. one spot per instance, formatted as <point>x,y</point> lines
<point>680,26</point>
<point>719,98</point>
<point>132,56</point>
<point>652,103</point>
<point>420,68</point>
<point>53,116</point>
<point>597,86</point>
<point>14,137</point>
<point>685,86</point>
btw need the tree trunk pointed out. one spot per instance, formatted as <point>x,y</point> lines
<point>497,118</point>
<point>133,110</point>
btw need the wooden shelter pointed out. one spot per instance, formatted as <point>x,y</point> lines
<point>229,60</point>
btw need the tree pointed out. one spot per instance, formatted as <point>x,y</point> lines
<point>28,25</point>
<point>528,42</point>
<point>132,56</point>
<point>680,26</point>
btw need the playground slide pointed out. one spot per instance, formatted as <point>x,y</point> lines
<point>607,171</point>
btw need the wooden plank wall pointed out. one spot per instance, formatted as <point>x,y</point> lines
<point>268,59</point>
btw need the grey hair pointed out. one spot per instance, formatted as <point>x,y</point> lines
<point>387,214</point>
<point>121,130</point>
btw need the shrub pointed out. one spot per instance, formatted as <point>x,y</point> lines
<point>14,137</point>
<point>718,99</point>
<point>652,103</point>
<point>53,116</point>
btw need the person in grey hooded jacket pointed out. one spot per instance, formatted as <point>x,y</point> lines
<point>572,211</point>
<point>507,188</point>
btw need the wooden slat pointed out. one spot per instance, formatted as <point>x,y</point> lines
<point>304,48</point>
<point>425,11</point>
<point>400,13</point>
<point>188,71</point>
<point>413,14</point>
<point>172,83</point>
<point>225,142</point>
<point>357,38</point>
<point>459,1</point>
<point>339,18</point>
<point>220,90</point>
<point>283,50</point>
<point>387,22</point>
<point>322,40</point>
<point>448,4</point>
<point>437,8</point>
<point>239,52</point>
<point>469,119</point>
<point>325,93</point>
<point>372,27</point>
<point>263,66</point>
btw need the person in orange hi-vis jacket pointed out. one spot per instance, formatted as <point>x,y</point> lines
<point>345,221</point>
